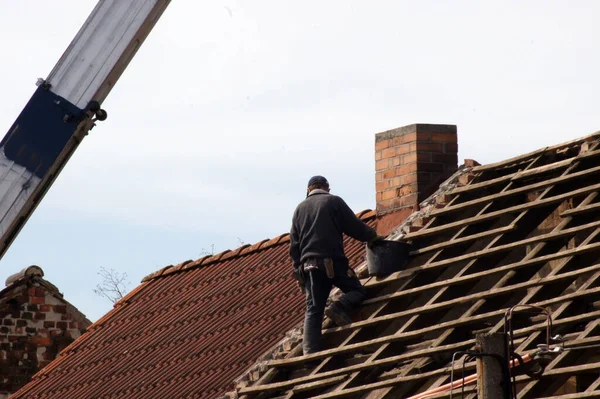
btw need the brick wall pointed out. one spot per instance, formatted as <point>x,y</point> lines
<point>410,163</point>
<point>35,325</point>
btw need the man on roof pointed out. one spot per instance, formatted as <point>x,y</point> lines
<point>317,252</point>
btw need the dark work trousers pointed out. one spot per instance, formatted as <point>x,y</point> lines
<point>354,294</point>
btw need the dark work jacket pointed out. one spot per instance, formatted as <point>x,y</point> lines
<point>318,226</point>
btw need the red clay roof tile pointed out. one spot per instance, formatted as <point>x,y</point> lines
<point>186,331</point>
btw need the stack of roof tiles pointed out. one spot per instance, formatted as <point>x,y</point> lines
<point>515,234</point>
<point>187,331</point>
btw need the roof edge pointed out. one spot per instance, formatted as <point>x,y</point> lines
<point>525,157</point>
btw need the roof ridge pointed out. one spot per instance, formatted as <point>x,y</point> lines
<point>228,254</point>
<point>531,154</point>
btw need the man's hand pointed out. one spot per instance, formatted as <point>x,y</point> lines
<point>374,240</point>
<point>299,277</point>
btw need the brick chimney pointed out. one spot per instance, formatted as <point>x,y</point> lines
<point>410,163</point>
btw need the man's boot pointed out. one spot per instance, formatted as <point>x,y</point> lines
<point>336,312</point>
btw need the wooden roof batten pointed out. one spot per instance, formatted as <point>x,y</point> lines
<point>523,231</point>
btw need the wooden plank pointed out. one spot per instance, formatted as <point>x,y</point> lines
<point>516,244</point>
<point>383,393</point>
<point>521,174</point>
<point>579,395</point>
<point>516,265</point>
<point>512,176</point>
<point>318,384</point>
<point>577,369</point>
<point>416,333</point>
<point>383,363</point>
<point>389,281</point>
<point>519,190</point>
<point>446,370</point>
<point>541,151</point>
<point>579,211</point>
<point>462,240</point>
<point>446,334</point>
<point>465,299</point>
<point>549,368</point>
<point>594,385</point>
<point>504,212</point>
<point>358,367</point>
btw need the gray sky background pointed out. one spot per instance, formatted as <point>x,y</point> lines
<point>230,106</point>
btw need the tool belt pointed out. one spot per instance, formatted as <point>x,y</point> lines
<point>323,264</point>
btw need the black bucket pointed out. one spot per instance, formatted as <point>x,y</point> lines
<point>386,257</point>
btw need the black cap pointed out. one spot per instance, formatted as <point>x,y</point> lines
<point>317,180</point>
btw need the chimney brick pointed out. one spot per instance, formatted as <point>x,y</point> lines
<point>410,164</point>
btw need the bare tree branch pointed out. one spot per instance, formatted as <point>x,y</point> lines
<point>204,251</point>
<point>113,285</point>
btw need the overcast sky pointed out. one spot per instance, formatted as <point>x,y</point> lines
<point>230,106</point>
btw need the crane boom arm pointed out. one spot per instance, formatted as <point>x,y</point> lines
<point>65,106</point>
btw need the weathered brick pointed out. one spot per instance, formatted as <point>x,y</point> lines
<point>409,158</point>
<point>383,206</point>
<point>431,167</point>
<point>444,137</point>
<point>32,308</point>
<point>45,308</point>
<point>27,316</point>
<point>382,144</point>
<point>445,158</point>
<point>21,323</point>
<point>40,341</point>
<point>407,189</point>
<point>409,137</point>
<point>388,174</point>
<point>431,147</point>
<point>406,169</point>
<point>471,162</point>
<point>411,199</point>
<point>63,325</point>
<point>60,308</point>
<point>409,178</point>
<point>382,164</point>
<point>423,177</point>
<point>40,291</point>
<point>382,185</point>
<point>377,155</point>
<point>40,316</point>
<point>403,149</point>
<point>389,194</point>
<point>39,300</point>
<point>388,153</point>
<point>425,156</point>
<point>451,147</point>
